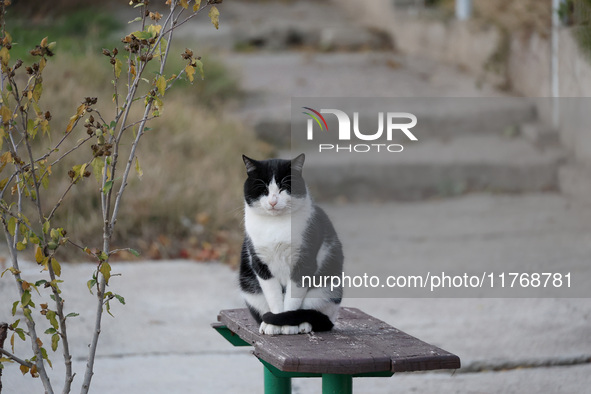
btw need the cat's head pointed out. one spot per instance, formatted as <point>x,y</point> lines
<point>274,187</point>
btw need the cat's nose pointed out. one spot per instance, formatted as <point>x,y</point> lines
<point>273,203</point>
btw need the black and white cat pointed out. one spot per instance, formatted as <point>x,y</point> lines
<point>287,237</point>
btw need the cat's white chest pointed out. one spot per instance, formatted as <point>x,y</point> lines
<point>271,238</point>
<point>276,240</point>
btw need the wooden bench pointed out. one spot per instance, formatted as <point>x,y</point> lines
<point>359,346</point>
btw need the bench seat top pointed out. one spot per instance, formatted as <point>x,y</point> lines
<point>358,344</point>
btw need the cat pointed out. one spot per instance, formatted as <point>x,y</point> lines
<point>287,236</point>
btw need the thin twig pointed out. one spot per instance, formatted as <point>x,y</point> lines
<point>70,151</point>
<point>178,24</point>
<point>15,358</point>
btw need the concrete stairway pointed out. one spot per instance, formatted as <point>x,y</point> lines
<point>471,138</point>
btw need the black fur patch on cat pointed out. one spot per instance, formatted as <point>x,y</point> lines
<point>318,320</point>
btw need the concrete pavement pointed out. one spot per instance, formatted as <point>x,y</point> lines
<point>161,339</point>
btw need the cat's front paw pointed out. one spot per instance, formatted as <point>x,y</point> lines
<point>269,329</point>
<point>290,330</point>
<point>305,328</point>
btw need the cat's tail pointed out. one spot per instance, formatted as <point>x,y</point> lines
<point>318,320</point>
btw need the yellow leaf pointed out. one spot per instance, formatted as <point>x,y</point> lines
<point>190,70</point>
<point>214,15</point>
<point>44,42</point>
<point>12,226</point>
<point>34,372</point>
<point>199,64</point>
<point>5,114</point>
<point>39,256</point>
<point>24,369</point>
<point>4,56</point>
<point>6,158</point>
<point>132,70</point>
<point>44,125</point>
<point>98,166</point>
<point>161,85</point>
<point>117,66</point>
<point>79,112</point>
<point>138,169</point>
<point>70,126</point>
<point>42,64</point>
<point>185,4</point>
<point>54,340</point>
<point>106,271</point>
<point>78,172</point>
<point>196,5</point>
<point>154,30</point>
<point>57,269</point>
<point>37,92</point>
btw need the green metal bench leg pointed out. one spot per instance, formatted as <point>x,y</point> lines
<point>275,384</point>
<point>337,384</point>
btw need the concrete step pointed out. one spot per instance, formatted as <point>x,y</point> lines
<point>271,80</point>
<point>540,133</point>
<point>434,168</point>
<point>310,24</point>
<point>255,26</point>
<point>367,74</point>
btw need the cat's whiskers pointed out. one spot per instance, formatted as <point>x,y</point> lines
<point>286,179</point>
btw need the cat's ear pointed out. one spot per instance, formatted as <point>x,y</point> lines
<point>249,163</point>
<point>298,163</point>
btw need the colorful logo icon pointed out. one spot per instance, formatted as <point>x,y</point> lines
<point>316,115</point>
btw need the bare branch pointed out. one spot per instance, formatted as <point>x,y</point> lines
<point>59,202</point>
<point>68,152</point>
<point>176,25</point>
<point>138,122</point>
<point>14,174</point>
<point>15,358</point>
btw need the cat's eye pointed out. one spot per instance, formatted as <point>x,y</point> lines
<point>285,183</point>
